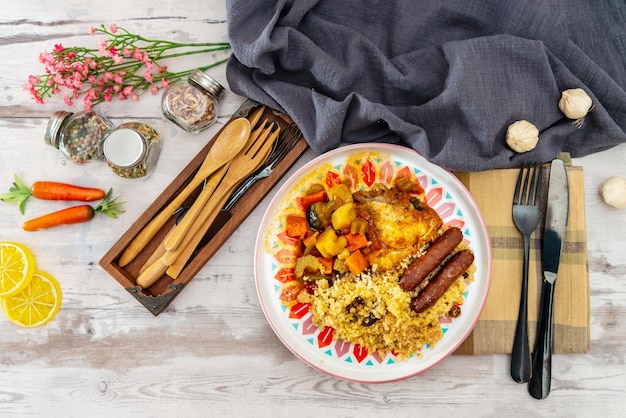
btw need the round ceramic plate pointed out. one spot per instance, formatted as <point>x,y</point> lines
<point>367,164</point>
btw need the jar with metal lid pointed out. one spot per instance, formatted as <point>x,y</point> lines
<point>193,103</point>
<point>130,150</point>
<point>77,135</point>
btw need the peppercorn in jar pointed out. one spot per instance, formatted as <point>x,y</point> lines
<point>77,135</point>
<point>130,150</point>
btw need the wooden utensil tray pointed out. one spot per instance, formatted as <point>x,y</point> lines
<point>158,296</point>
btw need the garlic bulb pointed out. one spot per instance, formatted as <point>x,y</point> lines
<point>575,103</point>
<point>613,192</point>
<point>522,136</point>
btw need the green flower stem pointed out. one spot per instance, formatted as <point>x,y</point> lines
<point>63,69</point>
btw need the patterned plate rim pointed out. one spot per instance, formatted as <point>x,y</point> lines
<point>342,360</point>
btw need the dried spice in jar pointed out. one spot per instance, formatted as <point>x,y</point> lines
<point>132,149</point>
<point>193,103</point>
<point>77,135</point>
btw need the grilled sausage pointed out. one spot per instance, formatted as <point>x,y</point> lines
<point>441,282</point>
<point>419,269</point>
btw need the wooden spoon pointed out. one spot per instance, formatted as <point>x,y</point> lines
<point>244,164</point>
<point>177,260</point>
<point>225,147</point>
<point>178,233</point>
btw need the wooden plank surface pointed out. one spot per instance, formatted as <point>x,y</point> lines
<point>212,352</point>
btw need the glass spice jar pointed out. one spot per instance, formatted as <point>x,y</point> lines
<point>76,134</point>
<point>193,103</point>
<point>130,150</point>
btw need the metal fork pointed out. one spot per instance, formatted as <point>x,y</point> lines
<point>526,213</point>
<point>290,139</point>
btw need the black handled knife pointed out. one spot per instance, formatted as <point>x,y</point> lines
<point>553,239</point>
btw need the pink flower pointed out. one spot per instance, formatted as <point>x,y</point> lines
<point>46,58</point>
<point>58,78</point>
<point>102,48</point>
<point>80,68</point>
<point>91,73</point>
<point>91,94</point>
<point>148,76</point>
<point>137,54</point>
<point>60,67</point>
<point>33,80</point>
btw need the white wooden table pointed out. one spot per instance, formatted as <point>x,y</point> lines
<point>212,353</point>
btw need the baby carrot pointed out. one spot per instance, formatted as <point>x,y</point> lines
<point>49,190</point>
<point>74,214</point>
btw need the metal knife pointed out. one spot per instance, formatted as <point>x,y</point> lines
<point>553,239</point>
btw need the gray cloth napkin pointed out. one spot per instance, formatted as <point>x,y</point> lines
<point>443,77</point>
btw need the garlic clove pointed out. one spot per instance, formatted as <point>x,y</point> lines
<point>575,103</point>
<point>522,136</point>
<point>613,191</point>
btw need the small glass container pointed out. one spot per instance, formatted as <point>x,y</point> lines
<point>193,103</point>
<point>78,134</point>
<point>130,150</point>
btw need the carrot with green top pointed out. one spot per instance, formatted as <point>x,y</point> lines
<point>74,214</point>
<point>49,190</point>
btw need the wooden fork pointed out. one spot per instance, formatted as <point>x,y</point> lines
<point>242,166</point>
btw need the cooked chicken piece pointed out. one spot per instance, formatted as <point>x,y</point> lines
<point>399,224</point>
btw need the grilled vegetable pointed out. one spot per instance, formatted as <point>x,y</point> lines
<point>329,244</point>
<point>316,216</point>
<point>340,192</point>
<point>356,262</point>
<point>306,264</point>
<point>343,216</point>
<point>297,226</point>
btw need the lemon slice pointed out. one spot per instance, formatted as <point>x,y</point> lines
<point>36,304</point>
<point>17,265</point>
